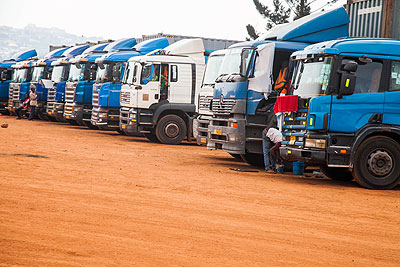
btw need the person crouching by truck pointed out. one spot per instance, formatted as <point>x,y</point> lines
<point>272,139</point>
<point>23,107</point>
<point>33,103</point>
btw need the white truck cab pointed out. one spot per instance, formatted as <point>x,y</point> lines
<point>159,94</point>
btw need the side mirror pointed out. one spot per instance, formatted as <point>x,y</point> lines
<point>116,74</point>
<point>92,74</point>
<point>347,84</point>
<point>244,55</point>
<point>350,66</point>
<point>78,65</point>
<point>3,75</point>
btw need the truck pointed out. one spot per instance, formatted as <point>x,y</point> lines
<point>79,87</point>
<point>42,70</point>
<point>6,73</point>
<point>107,88</point>
<point>159,95</point>
<point>244,94</point>
<point>345,117</point>
<point>60,74</point>
<point>200,123</point>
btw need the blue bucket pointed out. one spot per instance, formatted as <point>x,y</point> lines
<point>298,168</point>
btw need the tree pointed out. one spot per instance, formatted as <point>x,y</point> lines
<point>279,14</point>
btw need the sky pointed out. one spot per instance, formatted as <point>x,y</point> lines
<point>115,19</point>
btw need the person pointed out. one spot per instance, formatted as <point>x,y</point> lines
<point>271,136</point>
<point>24,105</point>
<point>33,103</point>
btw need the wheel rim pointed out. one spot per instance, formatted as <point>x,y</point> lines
<point>171,130</point>
<point>380,163</point>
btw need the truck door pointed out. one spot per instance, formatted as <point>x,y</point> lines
<point>182,87</point>
<point>391,114</point>
<point>148,92</point>
<point>352,112</point>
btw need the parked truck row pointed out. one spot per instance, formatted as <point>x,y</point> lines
<point>334,98</point>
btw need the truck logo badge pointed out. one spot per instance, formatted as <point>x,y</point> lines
<point>221,100</point>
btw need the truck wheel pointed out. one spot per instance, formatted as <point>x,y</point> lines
<point>152,137</point>
<point>121,132</point>
<point>253,159</point>
<point>5,112</point>
<point>171,129</point>
<point>377,163</point>
<point>42,117</point>
<point>72,122</point>
<point>339,174</point>
<point>90,125</point>
<point>236,156</point>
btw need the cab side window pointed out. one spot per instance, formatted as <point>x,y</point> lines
<point>394,84</point>
<point>150,73</point>
<point>368,76</point>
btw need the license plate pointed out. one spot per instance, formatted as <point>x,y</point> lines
<point>292,140</point>
<point>123,126</point>
<point>203,140</point>
<point>218,132</point>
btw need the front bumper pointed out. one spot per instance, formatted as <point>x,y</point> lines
<point>200,129</point>
<point>221,135</point>
<point>310,156</point>
<point>55,110</point>
<point>105,118</point>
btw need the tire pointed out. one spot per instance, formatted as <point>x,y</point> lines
<point>5,112</point>
<point>152,137</point>
<point>42,117</point>
<point>72,122</point>
<point>236,156</point>
<point>90,125</point>
<point>121,132</point>
<point>338,174</point>
<point>377,163</point>
<point>171,129</point>
<point>253,159</point>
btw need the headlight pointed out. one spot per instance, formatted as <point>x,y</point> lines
<point>316,143</point>
<point>233,124</point>
<point>103,115</point>
<point>76,109</point>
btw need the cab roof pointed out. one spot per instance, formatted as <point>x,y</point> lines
<point>380,48</point>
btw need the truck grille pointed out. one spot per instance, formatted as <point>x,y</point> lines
<point>125,98</point>
<point>204,102</point>
<point>222,106</point>
<point>51,94</point>
<point>69,99</point>
<point>294,127</point>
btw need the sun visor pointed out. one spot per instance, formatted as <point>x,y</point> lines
<point>262,80</point>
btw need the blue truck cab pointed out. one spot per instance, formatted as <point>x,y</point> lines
<point>79,86</point>
<point>107,89</point>
<point>42,70</point>
<point>20,84</point>
<point>243,96</point>
<point>6,73</point>
<point>61,73</point>
<point>348,116</point>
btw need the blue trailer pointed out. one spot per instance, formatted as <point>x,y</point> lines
<point>59,77</point>
<point>79,86</point>
<point>347,118</point>
<point>243,95</point>
<point>6,73</point>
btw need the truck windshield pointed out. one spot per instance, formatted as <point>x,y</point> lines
<point>311,77</point>
<point>232,60</point>
<point>19,75</point>
<point>58,73</point>
<point>212,69</point>
<point>104,75</point>
<point>76,73</point>
<point>37,74</point>
<point>130,73</point>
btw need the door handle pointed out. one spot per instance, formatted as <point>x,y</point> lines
<point>138,87</point>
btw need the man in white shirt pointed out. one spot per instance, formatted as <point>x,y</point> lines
<point>271,135</point>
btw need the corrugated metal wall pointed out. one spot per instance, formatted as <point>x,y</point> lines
<point>365,18</point>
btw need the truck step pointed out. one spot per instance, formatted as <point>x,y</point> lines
<point>146,123</point>
<point>304,110</point>
<point>146,114</point>
<point>296,119</point>
<point>295,143</point>
<point>301,134</point>
<point>294,127</point>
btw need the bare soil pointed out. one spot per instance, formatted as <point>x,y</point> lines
<point>70,196</point>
